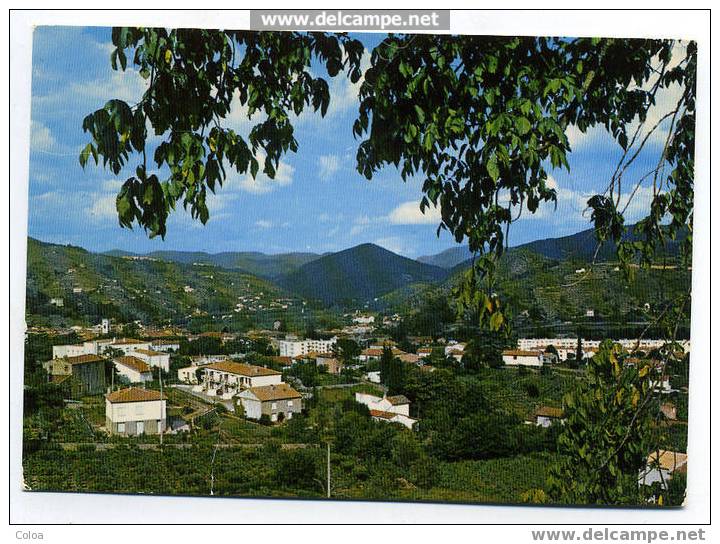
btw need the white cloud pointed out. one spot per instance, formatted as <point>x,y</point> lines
<point>408,213</point>
<point>396,245</point>
<point>112,185</point>
<point>102,207</point>
<point>343,93</point>
<point>263,224</point>
<point>329,164</point>
<point>41,138</point>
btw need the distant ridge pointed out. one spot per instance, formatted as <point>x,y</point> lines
<point>254,262</point>
<point>580,246</point>
<point>360,273</point>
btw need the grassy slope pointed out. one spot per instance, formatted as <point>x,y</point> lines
<point>125,288</point>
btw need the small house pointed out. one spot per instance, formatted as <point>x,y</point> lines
<point>134,369</point>
<point>156,359</point>
<point>277,401</point>
<point>662,465</point>
<point>81,375</point>
<point>395,409</point>
<point>547,415</point>
<point>134,411</point>
<point>518,357</point>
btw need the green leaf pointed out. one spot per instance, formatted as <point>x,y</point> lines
<point>522,125</point>
<point>492,168</point>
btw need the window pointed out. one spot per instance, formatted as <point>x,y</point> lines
<point>274,405</point>
<point>290,403</point>
<point>121,427</point>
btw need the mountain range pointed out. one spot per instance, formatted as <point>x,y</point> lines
<point>167,284</point>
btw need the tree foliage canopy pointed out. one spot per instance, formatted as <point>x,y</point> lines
<point>481,118</point>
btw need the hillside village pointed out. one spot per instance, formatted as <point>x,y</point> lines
<point>166,386</point>
<point>275,365</point>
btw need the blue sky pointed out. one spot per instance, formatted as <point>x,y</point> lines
<point>318,202</point>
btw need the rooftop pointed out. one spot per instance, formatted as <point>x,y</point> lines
<point>133,362</point>
<point>669,460</point>
<point>83,359</point>
<point>549,411</point>
<point>133,394</point>
<point>126,341</point>
<point>242,369</point>
<point>279,391</point>
<point>149,352</point>
<point>520,353</point>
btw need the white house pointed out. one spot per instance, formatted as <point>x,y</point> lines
<point>134,369</point>
<point>391,417</point>
<point>364,319</point>
<point>547,415</point>
<point>293,348</point>
<point>70,350</point>
<point>661,466</point>
<point>134,411</point>
<point>227,378</point>
<point>395,409</point>
<point>189,374</point>
<point>153,358</point>
<point>424,352</point>
<point>517,357</point>
<point>455,350</point>
<point>373,376</point>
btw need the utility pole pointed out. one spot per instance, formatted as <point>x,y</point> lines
<point>328,469</point>
<point>162,412</point>
<point>212,471</point>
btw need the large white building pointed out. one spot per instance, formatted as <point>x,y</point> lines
<point>644,344</point>
<point>293,348</point>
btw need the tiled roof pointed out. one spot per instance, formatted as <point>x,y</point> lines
<point>242,369</point>
<point>82,359</point>
<point>279,391</point>
<point>520,353</point>
<point>549,411</point>
<point>125,341</point>
<point>133,394</point>
<point>282,359</point>
<point>382,414</point>
<point>149,352</point>
<point>669,460</point>
<point>133,362</point>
